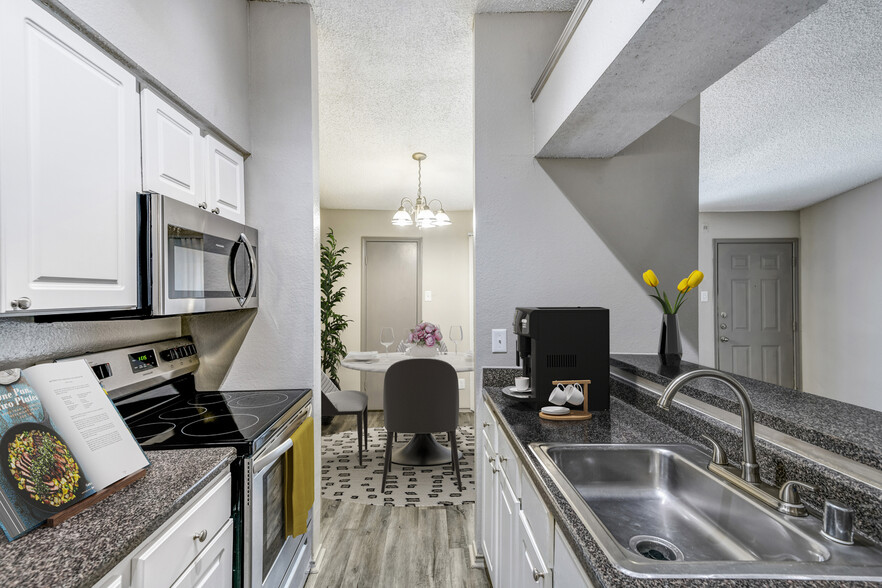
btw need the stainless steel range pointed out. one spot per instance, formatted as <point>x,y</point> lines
<point>154,389</point>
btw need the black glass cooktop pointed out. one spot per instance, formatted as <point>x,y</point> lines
<point>175,416</point>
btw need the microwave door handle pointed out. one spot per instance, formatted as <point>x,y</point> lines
<point>252,282</point>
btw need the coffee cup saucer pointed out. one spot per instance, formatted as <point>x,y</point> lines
<point>555,410</point>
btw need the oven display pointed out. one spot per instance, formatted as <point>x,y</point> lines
<point>143,360</point>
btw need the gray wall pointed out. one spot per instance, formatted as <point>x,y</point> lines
<point>573,232</point>
<point>197,48</point>
<point>841,282</point>
<point>732,225</point>
<point>281,348</point>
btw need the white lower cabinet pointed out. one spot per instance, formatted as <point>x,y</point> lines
<point>214,566</point>
<point>521,545</point>
<point>193,549</point>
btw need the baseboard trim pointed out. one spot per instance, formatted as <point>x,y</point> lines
<point>318,560</point>
<point>476,560</point>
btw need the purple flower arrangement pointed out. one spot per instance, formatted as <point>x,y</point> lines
<point>425,334</point>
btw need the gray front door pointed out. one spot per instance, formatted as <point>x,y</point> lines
<point>756,310</point>
<point>390,298</point>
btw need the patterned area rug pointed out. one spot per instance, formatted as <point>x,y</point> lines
<point>344,479</point>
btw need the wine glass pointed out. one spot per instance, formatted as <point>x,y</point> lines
<point>455,335</point>
<point>387,337</point>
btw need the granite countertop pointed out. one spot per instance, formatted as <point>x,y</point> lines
<point>621,424</point>
<point>82,550</point>
<point>849,430</point>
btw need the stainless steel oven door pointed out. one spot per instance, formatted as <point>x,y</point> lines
<point>200,262</point>
<point>272,550</point>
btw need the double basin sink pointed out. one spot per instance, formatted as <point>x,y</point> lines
<point>657,512</point>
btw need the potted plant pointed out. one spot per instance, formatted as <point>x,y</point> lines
<point>670,350</point>
<point>333,323</point>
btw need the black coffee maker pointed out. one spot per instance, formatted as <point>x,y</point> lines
<point>566,343</point>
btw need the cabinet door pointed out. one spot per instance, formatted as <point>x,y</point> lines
<point>226,181</point>
<point>172,146</point>
<point>508,536</point>
<point>69,168</point>
<point>489,530</point>
<point>568,572</point>
<point>214,566</point>
<point>530,568</point>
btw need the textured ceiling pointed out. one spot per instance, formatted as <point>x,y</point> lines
<point>395,77</point>
<point>801,120</point>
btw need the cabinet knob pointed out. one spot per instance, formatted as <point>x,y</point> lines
<point>203,205</point>
<point>215,210</point>
<point>22,303</point>
<point>537,574</point>
<point>200,537</point>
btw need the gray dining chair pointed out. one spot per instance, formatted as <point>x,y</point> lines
<point>421,396</point>
<point>336,401</point>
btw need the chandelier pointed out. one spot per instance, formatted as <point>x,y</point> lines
<point>420,212</point>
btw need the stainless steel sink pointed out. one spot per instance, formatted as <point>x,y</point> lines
<point>656,511</point>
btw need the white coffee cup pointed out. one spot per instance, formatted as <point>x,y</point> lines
<point>575,394</point>
<point>522,383</point>
<point>558,396</point>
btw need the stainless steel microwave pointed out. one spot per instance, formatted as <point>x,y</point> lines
<point>193,260</point>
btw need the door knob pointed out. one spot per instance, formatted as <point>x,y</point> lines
<point>724,326</point>
<point>724,339</point>
<point>723,314</point>
<point>22,303</point>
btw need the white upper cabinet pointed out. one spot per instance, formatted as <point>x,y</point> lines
<point>180,163</point>
<point>69,169</point>
<point>173,155</point>
<point>226,180</point>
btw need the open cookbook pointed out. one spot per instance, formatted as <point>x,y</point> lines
<point>61,440</point>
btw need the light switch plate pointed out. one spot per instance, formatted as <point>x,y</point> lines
<point>428,295</point>
<point>499,340</point>
<point>462,383</point>
<point>704,296</point>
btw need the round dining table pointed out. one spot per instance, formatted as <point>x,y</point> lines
<point>423,449</point>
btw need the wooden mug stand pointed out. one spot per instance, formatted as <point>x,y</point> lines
<point>573,415</point>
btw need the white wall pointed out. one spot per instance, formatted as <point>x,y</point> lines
<point>573,232</point>
<point>445,257</point>
<point>730,225</point>
<point>841,313</point>
<point>196,48</point>
<point>282,197</point>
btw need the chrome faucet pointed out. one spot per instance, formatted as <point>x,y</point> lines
<point>749,467</point>
<point>785,499</point>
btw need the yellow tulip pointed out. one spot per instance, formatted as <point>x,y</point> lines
<point>683,286</point>
<point>650,278</point>
<point>695,279</point>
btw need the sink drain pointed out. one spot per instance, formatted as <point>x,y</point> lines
<point>655,548</point>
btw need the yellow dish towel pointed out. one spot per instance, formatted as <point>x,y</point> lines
<point>299,479</point>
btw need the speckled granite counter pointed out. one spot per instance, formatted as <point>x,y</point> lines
<point>82,550</point>
<point>621,424</point>
<point>852,431</point>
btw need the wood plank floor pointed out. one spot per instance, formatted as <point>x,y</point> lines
<point>377,546</point>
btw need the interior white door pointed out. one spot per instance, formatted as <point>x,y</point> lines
<point>172,151</point>
<point>70,159</point>
<point>226,180</point>
<point>390,298</point>
<point>755,318</point>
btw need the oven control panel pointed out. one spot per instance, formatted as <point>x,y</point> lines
<point>132,369</point>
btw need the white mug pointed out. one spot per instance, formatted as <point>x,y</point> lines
<point>558,396</point>
<point>575,394</point>
<point>522,383</point>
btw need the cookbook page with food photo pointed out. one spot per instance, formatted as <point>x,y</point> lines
<point>40,475</point>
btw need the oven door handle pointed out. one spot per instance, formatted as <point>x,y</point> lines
<point>272,456</point>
